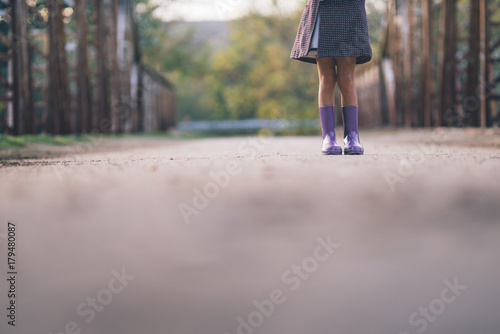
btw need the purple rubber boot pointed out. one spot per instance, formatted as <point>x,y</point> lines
<point>352,145</point>
<point>330,146</point>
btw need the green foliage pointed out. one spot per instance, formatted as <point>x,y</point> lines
<point>52,140</point>
<point>255,78</point>
<point>10,141</point>
<point>375,17</point>
<point>22,141</point>
<point>185,62</point>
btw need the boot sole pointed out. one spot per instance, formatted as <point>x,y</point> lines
<point>354,152</point>
<point>332,152</point>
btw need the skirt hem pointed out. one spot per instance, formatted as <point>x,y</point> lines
<point>363,59</point>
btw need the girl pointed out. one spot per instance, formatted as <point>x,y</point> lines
<point>334,35</point>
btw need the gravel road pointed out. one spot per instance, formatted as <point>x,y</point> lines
<point>254,235</point>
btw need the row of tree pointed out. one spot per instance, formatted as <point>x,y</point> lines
<point>75,67</point>
<point>438,64</point>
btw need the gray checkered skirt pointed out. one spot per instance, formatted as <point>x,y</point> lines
<point>343,31</point>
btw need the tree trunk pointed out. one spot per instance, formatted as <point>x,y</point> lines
<point>58,71</point>
<point>483,60</point>
<point>84,94</point>
<point>103,120</point>
<point>472,104</point>
<point>407,30</point>
<point>15,70</point>
<point>22,86</point>
<point>116,100</point>
<point>448,110</point>
<point>427,89</point>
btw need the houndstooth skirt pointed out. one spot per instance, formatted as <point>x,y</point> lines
<point>333,28</point>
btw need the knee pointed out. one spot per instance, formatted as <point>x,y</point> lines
<point>346,82</point>
<point>327,83</point>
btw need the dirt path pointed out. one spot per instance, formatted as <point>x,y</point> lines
<point>256,235</point>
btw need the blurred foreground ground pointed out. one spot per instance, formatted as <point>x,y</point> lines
<point>231,235</point>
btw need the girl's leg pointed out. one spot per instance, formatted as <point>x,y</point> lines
<point>327,82</point>
<point>345,77</point>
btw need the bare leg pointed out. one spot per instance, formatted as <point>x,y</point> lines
<point>326,99</point>
<point>327,81</point>
<point>345,73</point>
<point>345,77</point>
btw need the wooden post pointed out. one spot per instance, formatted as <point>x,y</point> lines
<point>408,57</point>
<point>473,65</point>
<point>493,102</point>
<point>116,100</point>
<point>483,62</point>
<point>103,112</point>
<point>448,81</point>
<point>425,115</point>
<point>84,94</point>
<point>140,97</point>
<point>385,68</point>
<point>390,89</point>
